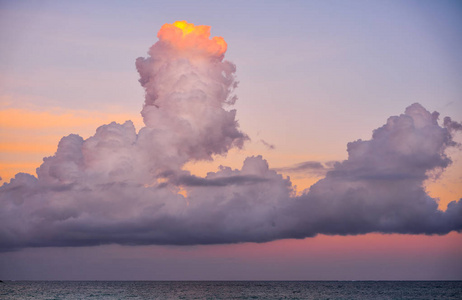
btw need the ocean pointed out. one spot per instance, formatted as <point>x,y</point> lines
<point>230,290</point>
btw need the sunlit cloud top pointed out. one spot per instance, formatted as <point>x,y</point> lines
<point>186,36</point>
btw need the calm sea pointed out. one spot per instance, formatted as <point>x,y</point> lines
<point>231,290</point>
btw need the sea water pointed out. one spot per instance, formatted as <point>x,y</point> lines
<point>231,290</point>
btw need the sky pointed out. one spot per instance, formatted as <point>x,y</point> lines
<point>334,164</point>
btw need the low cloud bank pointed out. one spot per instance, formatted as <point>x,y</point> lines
<point>127,187</point>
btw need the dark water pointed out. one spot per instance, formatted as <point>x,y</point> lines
<point>231,290</point>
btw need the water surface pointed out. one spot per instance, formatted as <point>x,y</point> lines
<point>231,290</point>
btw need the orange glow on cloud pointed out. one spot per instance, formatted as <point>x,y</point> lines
<point>187,36</point>
<point>182,191</point>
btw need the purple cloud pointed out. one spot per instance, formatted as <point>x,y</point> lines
<point>127,187</point>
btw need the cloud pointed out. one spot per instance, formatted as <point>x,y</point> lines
<point>452,125</point>
<point>127,187</point>
<point>267,145</point>
<point>379,188</point>
<point>308,167</point>
<point>188,86</point>
<point>191,180</point>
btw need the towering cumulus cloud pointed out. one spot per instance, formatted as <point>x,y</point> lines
<point>128,187</point>
<point>187,86</point>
